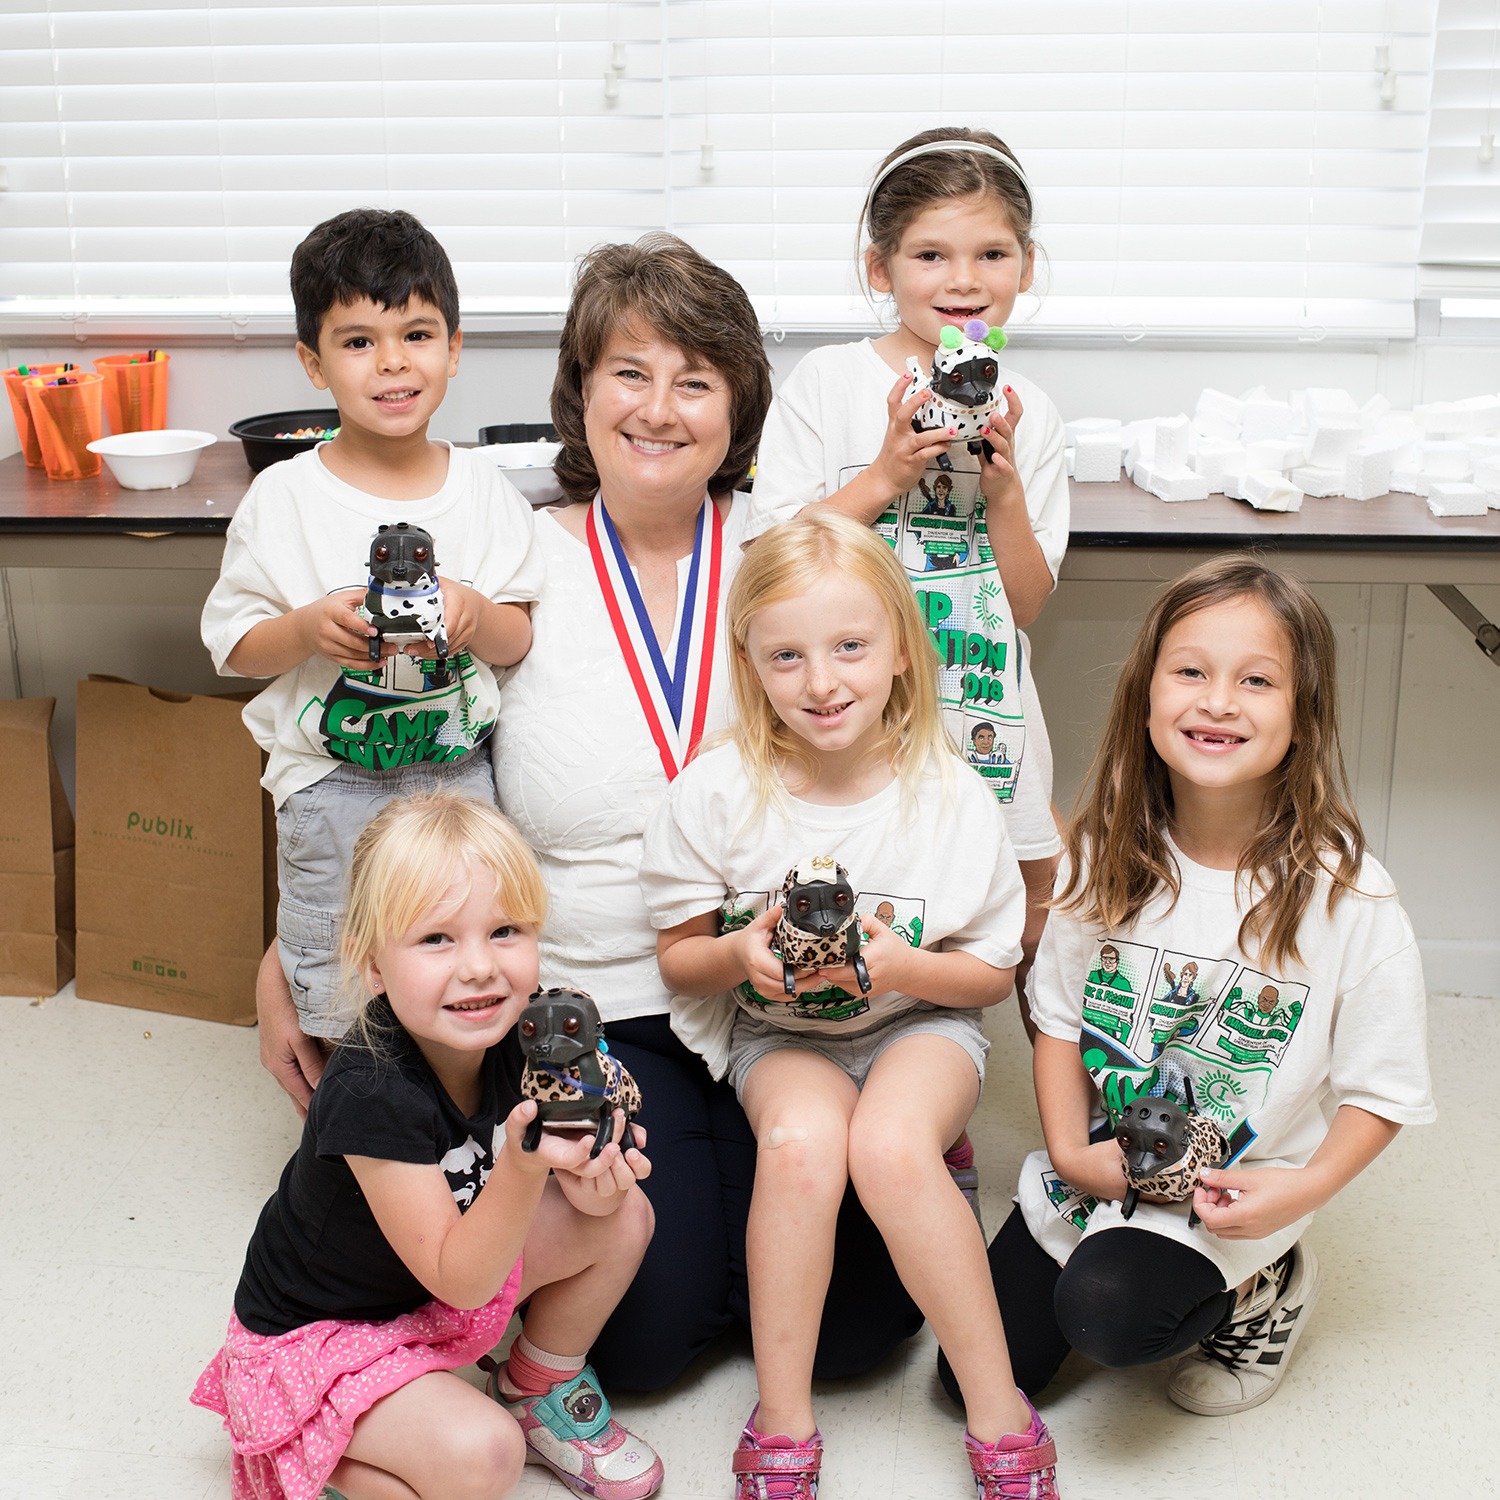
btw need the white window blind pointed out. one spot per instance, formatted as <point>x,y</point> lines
<point>1198,167</point>
<point>1460,247</point>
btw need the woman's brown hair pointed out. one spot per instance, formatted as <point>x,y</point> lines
<point>680,295</point>
<point>1117,838</point>
<point>939,175</point>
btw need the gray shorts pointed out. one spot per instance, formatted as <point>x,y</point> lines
<point>754,1039</point>
<point>315,833</point>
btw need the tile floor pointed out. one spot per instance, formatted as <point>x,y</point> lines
<point>138,1149</point>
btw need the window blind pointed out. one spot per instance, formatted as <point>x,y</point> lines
<point>1197,167</point>
<point>1460,244</point>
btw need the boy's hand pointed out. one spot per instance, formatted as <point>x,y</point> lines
<point>998,481</point>
<point>887,959</point>
<point>334,629</point>
<point>1240,1203</point>
<point>599,1187</point>
<point>904,455</point>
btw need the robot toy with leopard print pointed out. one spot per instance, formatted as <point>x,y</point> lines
<point>1166,1145</point>
<point>818,927</point>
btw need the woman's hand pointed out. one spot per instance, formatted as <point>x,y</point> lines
<point>1248,1203</point>
<point>998,480</point>
<point>294,1059</point>
<point>904,454</point>
<point>600,1185</point>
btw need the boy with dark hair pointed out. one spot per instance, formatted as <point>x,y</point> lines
<point>377,327</point>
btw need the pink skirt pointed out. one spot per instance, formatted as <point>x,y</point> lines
<point>290,1402</point>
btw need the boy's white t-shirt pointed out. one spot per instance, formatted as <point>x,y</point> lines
<point>828,422</point>
<point>1270,1052</point>
<point>938,869</point>
<point>301,534</point>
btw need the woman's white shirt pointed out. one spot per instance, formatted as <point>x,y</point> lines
<point>577,771</point>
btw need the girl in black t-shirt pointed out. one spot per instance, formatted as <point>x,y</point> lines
<point>409,1223</point>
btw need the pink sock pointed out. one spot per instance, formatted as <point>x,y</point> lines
<point>961,1157</point>
<point>534,1372</point>
<point>1010,1440</point>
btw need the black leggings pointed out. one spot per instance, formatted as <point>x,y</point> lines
<point>1126,1297</point>
<point>692,1283</point>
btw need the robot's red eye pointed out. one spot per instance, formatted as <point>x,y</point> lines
<point>841,898</point>
<point>1160,1147</point>
<point>1123,1139</point>
<point>990,372</point>
<point>528,1028</point>
<point>570,1026</point>
<point>803,905</point>
<point>382,553</point>
<point>421,554</point>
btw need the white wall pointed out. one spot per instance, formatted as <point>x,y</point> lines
<point>1421,704</point>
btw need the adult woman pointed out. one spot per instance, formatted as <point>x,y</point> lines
<point>661,389</point>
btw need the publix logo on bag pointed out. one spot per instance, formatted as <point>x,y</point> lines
<point>161,968</point>
<point>167,828</point>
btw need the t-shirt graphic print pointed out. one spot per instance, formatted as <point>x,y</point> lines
<point>1210,1031</point>
<point>937,531</point>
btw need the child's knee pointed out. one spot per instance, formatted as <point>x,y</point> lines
<point>886,1159</point>
<point>484,1458</point>
<point>806,1147</point>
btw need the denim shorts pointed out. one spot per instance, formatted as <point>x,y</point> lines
<point>754,1039</point>
<point>315,833</point>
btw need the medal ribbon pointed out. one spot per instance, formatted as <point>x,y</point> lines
<point>674,702</point>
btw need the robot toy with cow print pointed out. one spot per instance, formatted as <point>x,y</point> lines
<point>960,387</point>
<point>818,927</point>
<point>569,1071</point>
<point>1166,1145</point>
<point>404,601</point>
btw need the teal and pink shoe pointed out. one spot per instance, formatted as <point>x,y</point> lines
<point>571,1431</point>
<point>776,1468</point>
<point>1016,1467</point>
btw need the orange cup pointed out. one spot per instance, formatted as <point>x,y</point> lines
<point>135,391</point>
<point>68,418</point>
<point>20,409</point>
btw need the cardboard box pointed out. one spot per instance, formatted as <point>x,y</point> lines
<point>176,852</point>
<point>36,855</point>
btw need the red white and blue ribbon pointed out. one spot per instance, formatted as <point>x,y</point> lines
<point>674,700</point>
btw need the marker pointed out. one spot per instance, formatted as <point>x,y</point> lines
<point>66,368</point>
<point>24,370</point>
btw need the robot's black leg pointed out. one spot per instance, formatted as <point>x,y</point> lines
<point>375,644</point>
<point>945,463</point>
<point>627,1137</point>
<point>533,1137</point>
<point>1127,1205</point>
<point>788,978</point>
<point>984,446</point>
<point>852,949</point>
<point>440,672</point>
<point>1193,1219</point>
<point>605,1130</point>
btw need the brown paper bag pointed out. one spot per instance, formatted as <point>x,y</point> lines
<point>36,855</point>
<point>176,883</point>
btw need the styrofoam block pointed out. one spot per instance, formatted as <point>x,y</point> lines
<point>1145,475</point>
<point>1096,458</point>
<point>1484,450</point>
<point>1487,476</point>
<point>1446,459</point>
<point>1480,413</point>
<point>1275,453</point>
<point>1268,489</point>
<point>1457,499</point>
<point>1325,401</point>
<point>1265,418</point>
<point>1319,483</point>
<point>1301,412</point>
<point>1439,419</point>
<point>1089,427</point>
<point>1409,481</point>
<point>1234,482</point>
<point>1068,461</point>
<point>1140,448</point>
<point>1172,443</point>
<point>1335,435</point>
<point>1178,483</point>
<point>1218,416</point>
<point>1367,473</point>
<point>1372,413</point>
<point>1214,458</point>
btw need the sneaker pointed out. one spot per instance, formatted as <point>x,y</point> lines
<point>1242,1364</point>
<point>570,1430</point>
<point>1024,1469</point>
<point>960,1164</point>
<point>776,1468</point>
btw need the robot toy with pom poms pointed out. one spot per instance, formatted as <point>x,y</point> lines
<point>960,386</point>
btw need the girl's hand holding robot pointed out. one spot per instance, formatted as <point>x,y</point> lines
<point>905,455</point>
<point>594,1186</point>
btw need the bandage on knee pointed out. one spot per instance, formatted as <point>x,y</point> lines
<point>780,1135</point>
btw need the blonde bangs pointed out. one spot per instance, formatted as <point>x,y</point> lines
<point>792,559</point>
<point>406,862</point>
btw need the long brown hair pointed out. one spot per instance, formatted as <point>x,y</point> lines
<point>1117,847</point>
<point>666,285</point>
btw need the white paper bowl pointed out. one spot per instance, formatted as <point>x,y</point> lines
<point>528,466</point>
<point>153,460</point>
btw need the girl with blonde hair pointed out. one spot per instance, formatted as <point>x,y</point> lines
<point>838,765</point>
<point>410,1223</point>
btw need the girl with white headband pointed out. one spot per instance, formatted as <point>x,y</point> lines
<point>947,228</point>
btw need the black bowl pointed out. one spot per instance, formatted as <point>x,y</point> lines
<point>263,448</point>
<point>518,432</point>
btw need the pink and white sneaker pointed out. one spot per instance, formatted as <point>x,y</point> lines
<point>1016,1468</point>
<point>776,1468</point>
<point>570,1430</point>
